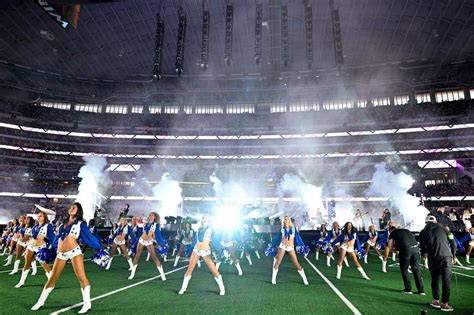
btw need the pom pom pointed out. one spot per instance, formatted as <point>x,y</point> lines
<point>132,250</point>
<point>101,258</point>
<point>45,255</point>
<point>188,250</point>
<point>360,253</point>
<point>302,250</point>
<point>177,246</point>
<point>163,249</point>
<point>271,251</point>
<point>225,255</point>
<point>328,248</point>
<point>110,240</point>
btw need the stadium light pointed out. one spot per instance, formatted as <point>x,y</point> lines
<point>206,20</point>
<point>258,32</point>
<point>308,29</point>
<point>160,31</point>
<point>181,41</point>
<point>229,17</point>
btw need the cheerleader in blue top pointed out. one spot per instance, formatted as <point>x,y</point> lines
<point>228,240</point>
<point>25,232</point>
<point>151,232</point>
<point>185,241</point>
<point>4,241</point>
<point>204,236</point>
<point>470,238</point>
<point>348,239</point>
<point>42,235</point>
<point>332,236</point>
<point>286,241</point>
<point>66,242</point>
<point>372,242</point>
<point>321,240</point>
<point>17,226</point>
<point>119,240</point>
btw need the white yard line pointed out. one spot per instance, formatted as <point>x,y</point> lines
<point>115,291</point>
<point>336,290</point>
<point>462,274</point>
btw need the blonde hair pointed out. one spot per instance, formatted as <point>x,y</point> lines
<point>283,221</point>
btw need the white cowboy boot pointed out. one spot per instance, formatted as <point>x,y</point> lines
<point>162,273</point>
<point>239,269</point>
<point>220,283</point>
<point>34,267</point>
<point>24,275</point>
<point>109,264</point>
<point>16,265</point>
<point>362,272</point>
<point>176,259</point>
<point>86,299</point>
<point>184,286</point>
<point>130,264</point>
<point>303,275</point>
<point>132,274</point>
<point>365,259</point>
<point>339,271</point>
<point>249,259</point>
<point>42,299</point>
<point>274,275</point>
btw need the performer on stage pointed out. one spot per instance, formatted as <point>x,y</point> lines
<point>185,242</point>
<point>25,233</point>
<point>348,239</point>
<point>320,241</point>
<point>359,220</point>
<point>66,242</point>
<point>286,241</point>
<point>41,237</point>
<point>372,241</point>
<point>120,238</point>
<point>151,231</point>
<point>17,224</point>
<point>202,249</point>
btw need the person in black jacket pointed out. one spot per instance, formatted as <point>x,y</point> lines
<point>408,255</point>
<point>434,239</point>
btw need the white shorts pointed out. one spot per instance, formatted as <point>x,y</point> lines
<point>471,243</point>
<point>286,248</point>
<point>145,243</point>
<point>15,239</point>
<point>185,243</point>
<point>21,243</point>
<point>122,242</point>
<point>202,252</point>
<point>70,254</point>
<point>347,248</point>
<point>371,243</point>
<point>35,248</point>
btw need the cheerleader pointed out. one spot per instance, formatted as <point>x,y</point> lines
<point>42,235</point>
<point>25,233</point>
<point>384,241</point>
<point>67,244</point>
<point>320,241</point>
<point>110,238</point>
<point>15,235</point>
<point>6,237</point>
<point>469,237</point>
<point>151,231</point>
<point>372,242</point>
<point>286,239</point>
<point>348,240</point>
<point>176,240</point>
<point>185,241</point>
<point>202,249</point>
<point>119,239</point>
<point>332,236</point>
<point>227,241</point>
<point>250,242</point>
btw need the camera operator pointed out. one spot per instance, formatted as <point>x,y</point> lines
<point>434,240</point>
<point>408,255</point>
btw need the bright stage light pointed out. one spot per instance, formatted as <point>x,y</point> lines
<point>227,218</point>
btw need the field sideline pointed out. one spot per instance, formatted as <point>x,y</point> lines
<point>113,293</point>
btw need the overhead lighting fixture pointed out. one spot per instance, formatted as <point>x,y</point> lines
<point>181,40</point>
<point>206,18</point>
<point>229,16</point>
<point>308,29</point>
<point>158,60</point>
<point>284,35</point>
<point>258,32</point>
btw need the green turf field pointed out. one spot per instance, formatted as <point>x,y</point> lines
<point>250,294</point>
